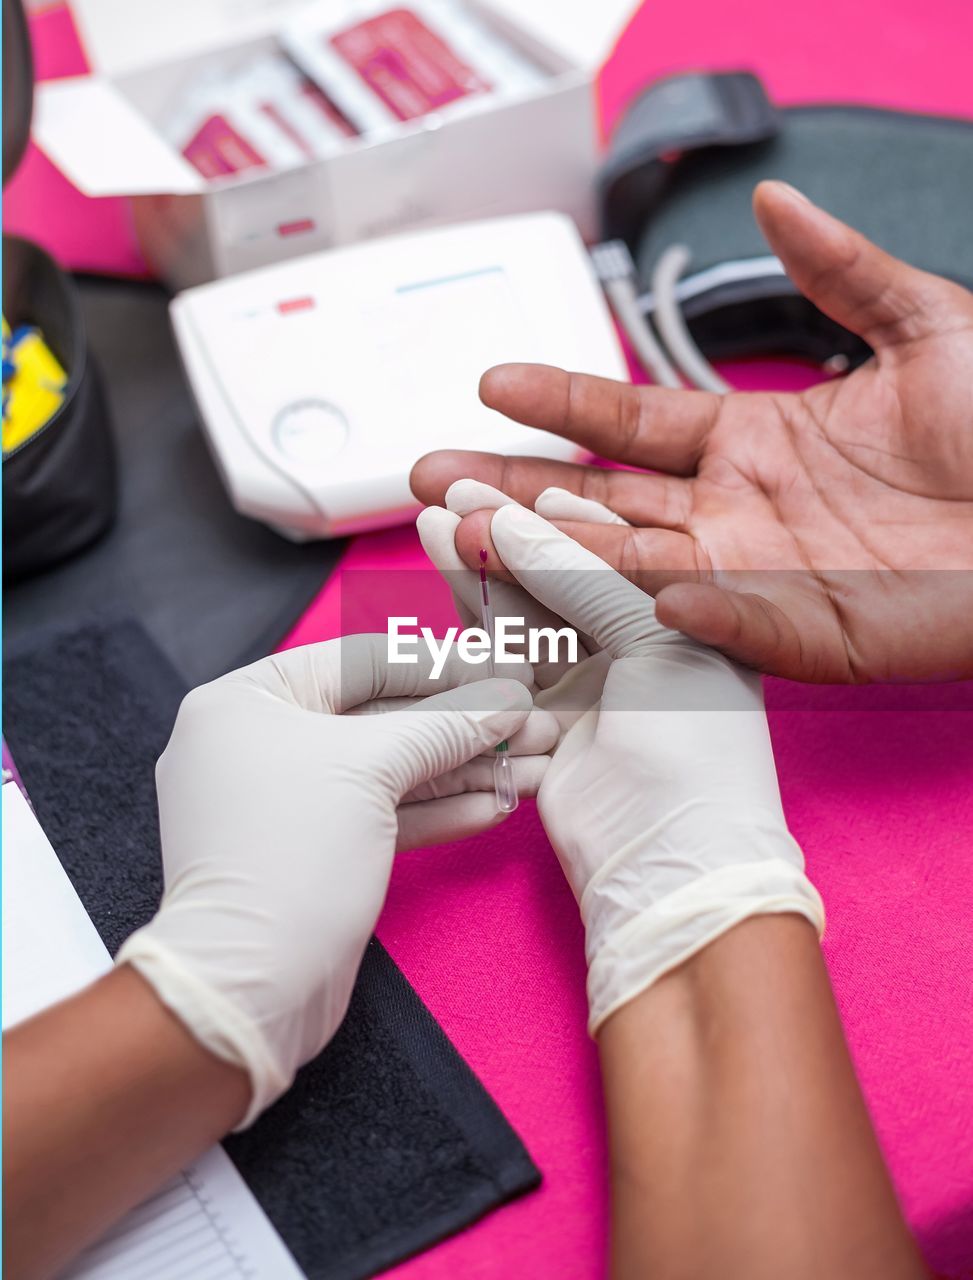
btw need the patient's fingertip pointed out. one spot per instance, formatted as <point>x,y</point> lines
<point>421,479</point>
<point>511,388</point>
<point>772,190</point>
<point>472,535</point>
<point>495,382</point>
<point>432,475</point>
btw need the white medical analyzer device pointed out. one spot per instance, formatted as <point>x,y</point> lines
<point>320,381</point>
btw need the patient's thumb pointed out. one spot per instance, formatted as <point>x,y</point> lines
<point>850,279</point>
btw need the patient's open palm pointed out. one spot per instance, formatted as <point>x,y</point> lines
<point>826,535</point>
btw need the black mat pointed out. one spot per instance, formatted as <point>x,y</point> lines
<point>387,1142</point>
<point>213,589</point>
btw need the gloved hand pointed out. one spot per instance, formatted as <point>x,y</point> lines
<point>281,806</point>
<point>661,800</point>
<point>437,528</point>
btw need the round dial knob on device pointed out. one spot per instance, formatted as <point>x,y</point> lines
<point>310,431</point>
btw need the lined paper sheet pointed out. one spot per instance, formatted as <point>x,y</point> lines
<point>203,1225</point>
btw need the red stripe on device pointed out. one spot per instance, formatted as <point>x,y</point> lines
<point>289,305</point>
<point>295,228</point>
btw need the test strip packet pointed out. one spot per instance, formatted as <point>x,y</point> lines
<point>222,135</point>
<point>264,115</point>
<point>284,96</point>
<point>383,63</point>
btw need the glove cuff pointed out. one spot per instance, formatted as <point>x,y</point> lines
<point>209,1017</point>
<point>664,935</point>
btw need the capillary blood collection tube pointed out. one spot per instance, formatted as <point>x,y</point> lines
<point>503,770</point>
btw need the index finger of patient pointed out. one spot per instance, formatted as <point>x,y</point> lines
<point>651,558</point>
<point>521,478</point>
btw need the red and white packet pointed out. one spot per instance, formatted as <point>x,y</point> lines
<point>383,63</point>
<point>265,115</point>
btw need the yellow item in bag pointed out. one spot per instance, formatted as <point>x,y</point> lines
<point>33,384</point>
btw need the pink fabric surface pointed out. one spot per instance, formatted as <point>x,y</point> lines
<point>881,800</point>
<point>882,803</point>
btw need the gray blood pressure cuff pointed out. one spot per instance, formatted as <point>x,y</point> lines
<point>681,169</point>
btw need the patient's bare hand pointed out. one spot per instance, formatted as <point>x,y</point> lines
<point>826,535</point>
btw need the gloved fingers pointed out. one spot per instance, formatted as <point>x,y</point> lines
<point>436,528</point>
<point>338,675</point>
<point>477,775</point>
<point>381,706</point>
<point>576,692</point>
<point>539,733</point>
<point>443,821</point>
<point>561,504</point>
<point>437,531</point>
<point>685,678</point>
<point>561,782</point>
<point>465,497</point>
<point>574,583</point>
<point>444,731</point>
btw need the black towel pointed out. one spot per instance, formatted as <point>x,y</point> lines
<point>213,589</point>
<point>387,1142</point>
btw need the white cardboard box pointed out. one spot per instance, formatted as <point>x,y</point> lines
<point>537,151</point>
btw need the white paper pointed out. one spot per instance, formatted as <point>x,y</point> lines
<point>98,140</point>
<point>50,947</point>
<point>203,1225</point>
<point>120,36</point>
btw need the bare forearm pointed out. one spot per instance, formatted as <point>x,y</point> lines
<point>105,1096</point>
<point>740,1142</point>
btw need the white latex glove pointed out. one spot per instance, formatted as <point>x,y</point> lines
<point>280,814</point>
<point>662,799</point>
